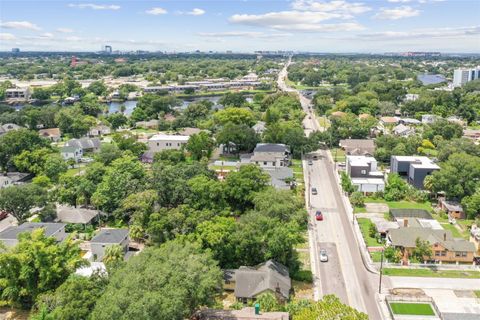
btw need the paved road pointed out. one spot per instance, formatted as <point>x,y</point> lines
<point>344,275</point>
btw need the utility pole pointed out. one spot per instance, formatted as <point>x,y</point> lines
<point>381,267</point>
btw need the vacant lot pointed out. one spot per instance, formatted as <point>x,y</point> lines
<point>422,309</point>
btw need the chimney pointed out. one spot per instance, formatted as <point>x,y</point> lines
<point>405,222</point>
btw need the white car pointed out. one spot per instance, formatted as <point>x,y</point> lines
<point>323,255</point>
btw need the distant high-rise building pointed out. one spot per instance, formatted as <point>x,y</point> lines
<point>15,50</point>
<point>107,49</point>
<point>462,76</point>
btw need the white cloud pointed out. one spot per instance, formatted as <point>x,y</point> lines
<point>64,30</point>
<point>94,6</point>
<point>7,37</point>
<point>438,33</point>
<point>156,11</point>
<point>397,13</point>
<point>305,21</point>
<point>19,25</point>
<point>242,34</point>
<point>196,12</point>
<point>338,6</point>
<point>399,1</point>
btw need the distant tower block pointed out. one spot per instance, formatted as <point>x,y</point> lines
<point>108,49</point>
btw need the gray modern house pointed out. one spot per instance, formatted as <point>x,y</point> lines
<point>414,168</point>
<point>9,236</point>
<point>106,238</point>
<point>364,174</point>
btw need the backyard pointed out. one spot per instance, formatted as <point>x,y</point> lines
<point>421,309</point>
<point>365,225</point>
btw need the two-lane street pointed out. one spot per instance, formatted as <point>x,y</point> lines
<point>344,274</point>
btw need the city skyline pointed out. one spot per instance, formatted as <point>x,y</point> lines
<point>241,26</point>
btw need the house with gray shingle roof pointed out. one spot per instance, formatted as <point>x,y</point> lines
<point>271,155</point>
<point>9,236</point>
<point>250,282</point>
<point>86,144</point>
<point>106,238</point>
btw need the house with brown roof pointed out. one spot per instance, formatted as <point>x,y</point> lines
<point>389,120</point>
<point>358,147</point>
<point>444,247</point>
<point>52,134</point>
<point>453,208</point>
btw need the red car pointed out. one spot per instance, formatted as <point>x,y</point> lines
<point>318,216</point>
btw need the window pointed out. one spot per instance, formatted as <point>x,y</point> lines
<point>444,253</point>
<point>364,171</point>
<point>178,144</point>
<point>437,253</point>
<point>264,163</point>
<point>158,144</point>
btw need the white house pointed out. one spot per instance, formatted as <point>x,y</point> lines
<point>74,153</point>
<point>160,142</point>
<point>364,173</point>
<point>99,130</point>
<point>17,93</point>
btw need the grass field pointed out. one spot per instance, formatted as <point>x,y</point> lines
<point>421,309</point>
<point>364,224</point>
<point>376,256</point>
<point>401,204</point>
<point>401,272</point>
<point>455,232</point>
<point>338,154</point>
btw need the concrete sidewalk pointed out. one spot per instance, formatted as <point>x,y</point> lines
<point>434,283</point>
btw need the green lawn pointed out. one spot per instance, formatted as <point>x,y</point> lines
<point>364,224</point>
<point>359,210</point>
<point>338,154</point>
<point>402,204</point>
<point>228,158</point>
<point>422,309</point>
<point>401,272</point>
<point>477,293</point>
<point>376,256</point>
<point>455,232</point>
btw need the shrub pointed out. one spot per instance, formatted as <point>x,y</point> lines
<point>303,275</point>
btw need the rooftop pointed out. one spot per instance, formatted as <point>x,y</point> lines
<point>110,236</point>
<point>418,161</point>
<point>169,137</point>
<point>271,147</point>
<point>75,215</point>
<point>12,232</point>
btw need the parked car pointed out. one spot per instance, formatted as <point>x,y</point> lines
<point>315,157</point>
<point>314,191</point>
<point>318,216</point>
<point>310,162</point>
<point>323,255</point>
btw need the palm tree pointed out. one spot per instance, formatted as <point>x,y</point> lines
<point>113,255</point>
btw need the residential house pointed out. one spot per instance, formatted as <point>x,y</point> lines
<point>475,238</point>
<point>188,131</point>
<point>453,208</point>
<point>76,215</point>
<point>106,238</point>
<point>271,155</point>
<point>86,144</point>
<point>17,93</point>
<point>445,248</point>
<point>248,283</point>
<point>99,130</point>
<point>473,134</point>
<point>9,236</point>
<point>5,181</point>
<point>385,121</point>
<point>402,130</point>
<point>52,134</point>
<point>259,127</point>
<point>75,153</point>
<point>7,127</point>
<point>358,147</point>
<point>429,118</point>
<point>413,167</point>
<point>364,174</point>
<point>281,177</point>
<point>410,121</point>
<point>457,120</point>
<point>160,142</point>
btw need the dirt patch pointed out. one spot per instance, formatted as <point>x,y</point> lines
<point>376,207</point>
<point>411,292</point>
<point>303,290</point>
<point>227,299</point>
<point>13,314</point>
<point>464,293</point>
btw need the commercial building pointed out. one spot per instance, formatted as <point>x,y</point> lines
<point>462,76</point>
<point>364,173</point>
<point>17,93</point>
<point>414,168</point>
<point>160,142</point>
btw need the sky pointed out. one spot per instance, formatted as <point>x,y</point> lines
<point>242,25</point>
